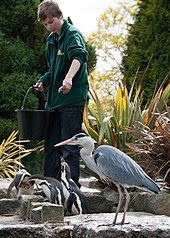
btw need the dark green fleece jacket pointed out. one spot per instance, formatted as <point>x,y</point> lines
<point>60,52</point>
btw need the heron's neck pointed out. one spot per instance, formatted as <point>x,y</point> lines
<point>87,150</point>
<point>87,156</point>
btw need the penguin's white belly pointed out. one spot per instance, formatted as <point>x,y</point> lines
<point>47,192</point>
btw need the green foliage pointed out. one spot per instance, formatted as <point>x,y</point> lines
<point>142,133</point>
<point>15,56</point>
<point>6,126</point>
<point>15,154</point>
<point>17,19</point>
<point>92,60</point>
<point>148,41</point>
<point>153,145</point>
<point>34,162</point>
<point>22,59</point>
<point>13,90</point>
<point>110,127</point>
<point>111,34</point>
<point>26,33</point>
<point>11,152</point>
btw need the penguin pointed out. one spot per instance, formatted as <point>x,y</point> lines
<point>51,187</point>
<point>26,188</point>
<point>73,204</point>
<point>75,200</point>
<point>20,182</point>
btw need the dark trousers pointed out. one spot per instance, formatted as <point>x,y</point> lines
<point>64,124</point>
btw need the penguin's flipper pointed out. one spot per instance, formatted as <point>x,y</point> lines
<point>72,201</point>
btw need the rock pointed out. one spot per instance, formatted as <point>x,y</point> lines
<point>153,203</point>
<point>31,207</point>
<point>162,204</point>
<point>91,191</point>
<point>27,203</point>
<point>140,225</point>
<point>3,189</point>
<point>63,232</point>
<point>88,182</point>
<point>26,231</point>
<point>99,204</point>
<point>9,206</point>
<point>48,213</point>
<point>110,194</point>
<point>36,215</point>
<point>34,208</point>
<point>52,213</point>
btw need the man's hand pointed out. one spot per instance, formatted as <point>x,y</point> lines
<point>38,86</point>
<point>67,84</point>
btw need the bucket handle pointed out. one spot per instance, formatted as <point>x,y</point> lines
<point>32,87</point>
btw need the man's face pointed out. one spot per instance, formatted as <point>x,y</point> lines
<point>51,23</point>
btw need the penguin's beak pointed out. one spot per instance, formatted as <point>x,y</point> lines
<point>66,142</point>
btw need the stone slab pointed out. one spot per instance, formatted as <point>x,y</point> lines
<point>52,213</point>
<point>9,206</point>
<point>143,225</point>
<point>140,225</point>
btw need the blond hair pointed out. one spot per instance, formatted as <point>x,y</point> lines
<point>49,8</point>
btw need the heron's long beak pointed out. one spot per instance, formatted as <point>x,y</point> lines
<point>65,142</point>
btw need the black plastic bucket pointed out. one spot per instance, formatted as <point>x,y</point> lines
<point>33,124</point>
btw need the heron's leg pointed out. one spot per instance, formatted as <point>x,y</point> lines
<point>119,204</point>
<point>117,209</point>
<point>126,205</point>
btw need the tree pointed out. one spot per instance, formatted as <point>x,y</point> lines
<point>22,58</point>
<point>92,58</point>
<point>109,40</point>
<point>148,44</point>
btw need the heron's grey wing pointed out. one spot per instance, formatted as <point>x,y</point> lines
<point>118,167</point>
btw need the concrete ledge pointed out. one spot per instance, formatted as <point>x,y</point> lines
<point>9,206</point>
<point>47,213</point>
<point>139,225</point>
<point>35,209</point>
<point>157,204</point>
<point>52,213</point>
<point>143,225</point>
<point>26,205</point>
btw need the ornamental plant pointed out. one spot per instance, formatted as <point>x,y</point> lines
<point>127,112</point>
<point>11,153</point>
<point>153,146</point>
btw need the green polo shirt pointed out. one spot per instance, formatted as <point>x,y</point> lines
<point>60,52</point>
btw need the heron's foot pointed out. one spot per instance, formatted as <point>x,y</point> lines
<point>120,223</point>
<point>105,225</point>
<point>114,224</point>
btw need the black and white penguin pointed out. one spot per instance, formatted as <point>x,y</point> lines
<point>20,182</point>
<point>75,200</point>
<point>51,187</point>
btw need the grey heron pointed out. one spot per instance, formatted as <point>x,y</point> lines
<point>113,166</point>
